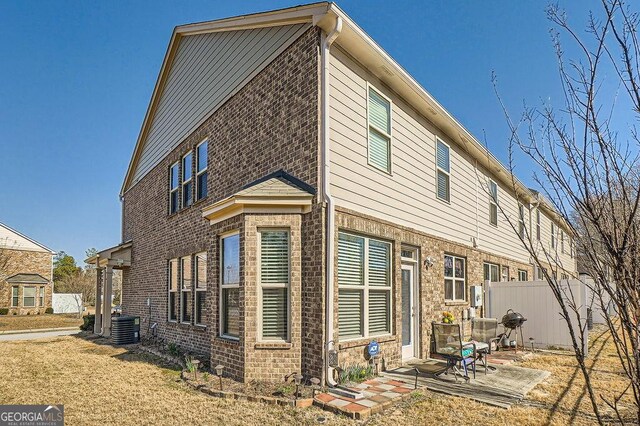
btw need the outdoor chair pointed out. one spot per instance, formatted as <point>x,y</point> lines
<point>484,332</point>
<point>448,344</point>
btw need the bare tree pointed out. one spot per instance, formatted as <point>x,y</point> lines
<point>81,285</point>
<point>589,171</point>
<point>5,258</point>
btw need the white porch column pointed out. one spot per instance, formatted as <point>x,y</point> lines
<point>97,327</point>
<point>106,302</point>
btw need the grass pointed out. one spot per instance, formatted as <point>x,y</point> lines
<point>32,322</point>
<point>103,384</point>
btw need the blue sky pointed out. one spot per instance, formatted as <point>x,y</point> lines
<point>77,76</point>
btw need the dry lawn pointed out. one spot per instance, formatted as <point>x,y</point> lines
<point>32,322</point>
<point>100,384</point>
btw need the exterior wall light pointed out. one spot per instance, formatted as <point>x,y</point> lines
<point>428,262</point>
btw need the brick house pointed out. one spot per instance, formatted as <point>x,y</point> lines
<point>293,191</point>
<point>26,273</point>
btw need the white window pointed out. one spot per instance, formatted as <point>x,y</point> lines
<point>28,297</point>
<point>454,278</point>
<point>201,170</point>
<point>173,188</point>
<point>562,241</point>
<point>41,295</point>
<point>364,287</point>
<point>173,290</point>
<point>201,288</point>
<point>523,275</point>
<point>539,272</point>
<point>230,286</point>
<point>553,235</point>
<point>538,224</point>
<point>14,296</point>
<point>187,182</point>
<point>493,203</point>
<point>571,247</point>
<point>521,228</point>
<point>443,166</point>
<point>379,119</point>
<point>185,289</point>
<point>505,274</point>
<point>274,278</point>
<point>491,272</point>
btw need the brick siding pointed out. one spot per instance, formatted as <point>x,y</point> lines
<point>27,262</point>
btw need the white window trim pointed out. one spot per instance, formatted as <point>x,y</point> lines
<point>199,172</point>
<point>177,187</point>
<point>504,268</point>
<point>498,274</point>
<point>260,286</point>
<point>382,132</point>
<point>15,297</point>
<point>184,182</point>
<point>454,279</point>
<point>493,202</point>
<point>365,289</point>
<point>220,319</point>
<point>562,241</point>
<point>35,296</point>
<point>177,263</point>
<point>521,223</point>
<point>538,224</point>
<point>438,168</point>
<point>182,290</point>
<point>41,293</point>
<point>553,235</point>
<point>522,272</point>
<point>199,290</point>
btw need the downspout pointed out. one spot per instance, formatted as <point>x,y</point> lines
<point>328,199</point>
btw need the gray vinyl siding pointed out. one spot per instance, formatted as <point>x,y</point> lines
<point>207,70</point>
<point>407,196</point>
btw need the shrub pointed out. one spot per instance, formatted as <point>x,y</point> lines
<point>173,349</point>
<point>4,311</point>
<point>48,311</point>
<point>89,321</point>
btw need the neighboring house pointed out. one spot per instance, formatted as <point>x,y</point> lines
<point>26,273</point>
<point>294,191</point>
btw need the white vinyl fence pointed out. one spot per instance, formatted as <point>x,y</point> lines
<point>66,303</point>
<point>593,301</point>
<point>536,302</point>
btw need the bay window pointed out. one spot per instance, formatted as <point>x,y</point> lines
<point>14,296</point>
<point>41,294</point>
<point>28,297</point>
<point>229,286</point>
<point>274,283</point>
<point>364,286</point>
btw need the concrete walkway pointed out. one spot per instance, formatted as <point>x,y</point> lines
<point>38,334</point>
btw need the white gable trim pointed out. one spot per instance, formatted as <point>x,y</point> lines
<point>19,235</point>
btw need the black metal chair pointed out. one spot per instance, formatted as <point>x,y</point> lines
<point>448,344</point>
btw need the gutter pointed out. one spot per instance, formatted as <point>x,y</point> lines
<point>328,199</point>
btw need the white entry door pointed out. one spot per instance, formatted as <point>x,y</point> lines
<point>408,312</point>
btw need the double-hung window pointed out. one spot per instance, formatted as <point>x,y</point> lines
<point>523,275</point>
<point>454,278</point>
<point>28,297</point>
<point>521,228</point>
<point>553,235</point>
<point>562,241</point>
<point>379,119</point>
<point>491,272</point>
<point>173,290</point>
<point>229,286</point>
<point>41,295</point>
<point>443,169</point>
<point>493,203</point>
<point>201,288</point>
<point>185,289</point>
<point>274,279</point>
<point>201,170</point>
<point>364,286</point>
<point>187,181</point>
<point>14,296</point>
<point>174,184</point>
<point>538,224</point>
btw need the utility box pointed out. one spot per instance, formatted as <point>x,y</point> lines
<point>476,296</point>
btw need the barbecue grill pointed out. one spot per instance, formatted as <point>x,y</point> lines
<point>512,321</point>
